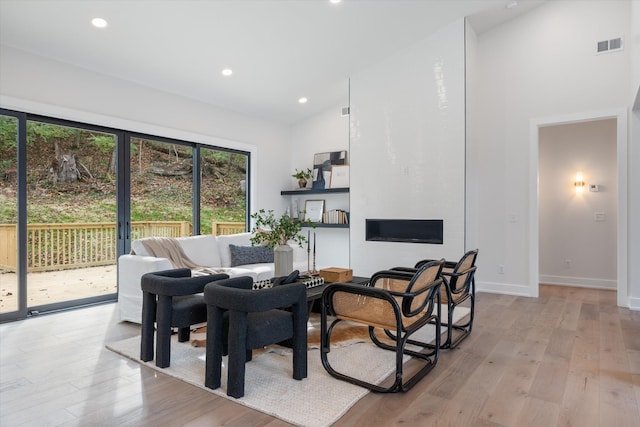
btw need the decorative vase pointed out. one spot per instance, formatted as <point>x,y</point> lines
<point>302,182</point>
<point>283,260</point>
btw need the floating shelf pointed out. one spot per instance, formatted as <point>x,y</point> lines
<point>314,191</point>
<point>322,225</point>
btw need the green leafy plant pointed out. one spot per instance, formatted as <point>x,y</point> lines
<point>306,174</point>
<point>271,231</point>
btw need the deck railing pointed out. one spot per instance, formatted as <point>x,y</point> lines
<point>223,228</point>
<point>76,245</point>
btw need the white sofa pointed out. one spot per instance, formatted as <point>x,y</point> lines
<point>204,250</point>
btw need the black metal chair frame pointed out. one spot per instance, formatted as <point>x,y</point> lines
<point>452,273</point>
<point>401,334</point>
<point>253,319</point>
<point>170,299</point>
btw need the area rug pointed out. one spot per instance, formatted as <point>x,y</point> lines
<point>318,400</point>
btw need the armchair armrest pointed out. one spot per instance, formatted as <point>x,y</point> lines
<point>447,264</point>
<point>394,273</point>
<point>232,295</point>
<point>177,282</point>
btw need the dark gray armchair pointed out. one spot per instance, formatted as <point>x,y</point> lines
<point>171,299</point>
<point>240,319</point>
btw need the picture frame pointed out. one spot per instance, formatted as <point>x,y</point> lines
<point>339,177</point>
<point>313,210</point>
<point>322,164</point>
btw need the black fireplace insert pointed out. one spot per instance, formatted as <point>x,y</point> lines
<point>404,230</point>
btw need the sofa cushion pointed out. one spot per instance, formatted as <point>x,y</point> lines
<point>242,255</point>
<point>137,248</point>
<point>203,249</point>
<point>240,239</point>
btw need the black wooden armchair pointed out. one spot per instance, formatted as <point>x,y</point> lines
<point>395,302</point>
<point>240,319</point>
<point>170,299</point>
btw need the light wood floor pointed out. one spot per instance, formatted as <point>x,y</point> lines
<point>568,358</point>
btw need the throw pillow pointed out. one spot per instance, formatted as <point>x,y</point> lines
<point>241,255</point>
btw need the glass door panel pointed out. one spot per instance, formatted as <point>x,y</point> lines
<point>223,191</point>
<point>71,215</point>
<point>161,188</point>
<point>9,290</point>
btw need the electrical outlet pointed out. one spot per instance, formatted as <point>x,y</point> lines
<point>500,269</point>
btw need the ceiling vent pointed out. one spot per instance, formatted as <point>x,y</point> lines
<point>608,46</point>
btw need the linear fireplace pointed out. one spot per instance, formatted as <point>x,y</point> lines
<point>404,230</point>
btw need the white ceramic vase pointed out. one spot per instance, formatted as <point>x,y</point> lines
<point>283,260</point>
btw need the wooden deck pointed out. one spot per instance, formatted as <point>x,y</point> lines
<point>55,286</point>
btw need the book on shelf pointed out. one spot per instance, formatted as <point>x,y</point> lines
<point>335,216</point>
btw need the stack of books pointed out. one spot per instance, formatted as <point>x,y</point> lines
<point>335,216</point>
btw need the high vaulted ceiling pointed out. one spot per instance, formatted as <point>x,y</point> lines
<point>279,51</point>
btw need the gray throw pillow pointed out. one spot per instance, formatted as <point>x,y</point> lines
<point>241,255</point>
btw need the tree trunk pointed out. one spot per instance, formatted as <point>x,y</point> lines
<point>113,163</point>
<point>67,169</point>
<point>63,167</point>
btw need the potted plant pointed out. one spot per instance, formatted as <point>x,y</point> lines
<point>276,233</point>
<point>302,176</point>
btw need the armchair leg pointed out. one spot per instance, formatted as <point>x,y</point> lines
<point>163,334</point>
<point>147,328</point>
<point>213,362</point>
<point>184,334</point>
<point>299,342</point>
<point>237,353</point>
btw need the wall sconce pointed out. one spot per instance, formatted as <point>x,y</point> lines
<point>579,183</point>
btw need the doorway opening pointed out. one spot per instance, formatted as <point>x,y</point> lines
<point>538,209</point>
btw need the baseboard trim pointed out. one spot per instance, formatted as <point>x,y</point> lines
<point>583,282</point>
<point>504,288</point>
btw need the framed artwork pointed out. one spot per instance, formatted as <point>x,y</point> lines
<point>339,177</point>
<point>322,164</point>
<point>313,210</point>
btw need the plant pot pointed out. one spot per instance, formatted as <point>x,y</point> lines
<point>302,182</point>
<point>283,260</point>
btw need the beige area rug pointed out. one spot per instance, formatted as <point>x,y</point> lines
<point>318,400</point>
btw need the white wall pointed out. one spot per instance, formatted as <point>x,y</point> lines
<point>37,85</point>
<point>574,248</point>
<point>633,43</point>
<point>407,149</point>
<point>472,148</point>
<point>327,131</point>
<point>539,65</point>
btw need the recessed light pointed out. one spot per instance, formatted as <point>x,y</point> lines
<point>227,72</point>
<point>511,4</point>
<point>99,22</point>
<point>303,100</point>
<point>335,1</point>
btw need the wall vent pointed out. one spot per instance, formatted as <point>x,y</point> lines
<point>608,46</point>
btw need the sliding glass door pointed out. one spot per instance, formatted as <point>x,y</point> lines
<point>73,196</point>
<point>161,188</point>
<point>223,191</point>
<point>71,215</point>
<point>10,292</point>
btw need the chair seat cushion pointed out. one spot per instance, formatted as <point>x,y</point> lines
<point>188,310</point>
<point>268,327</point>
<point>264,328</point>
